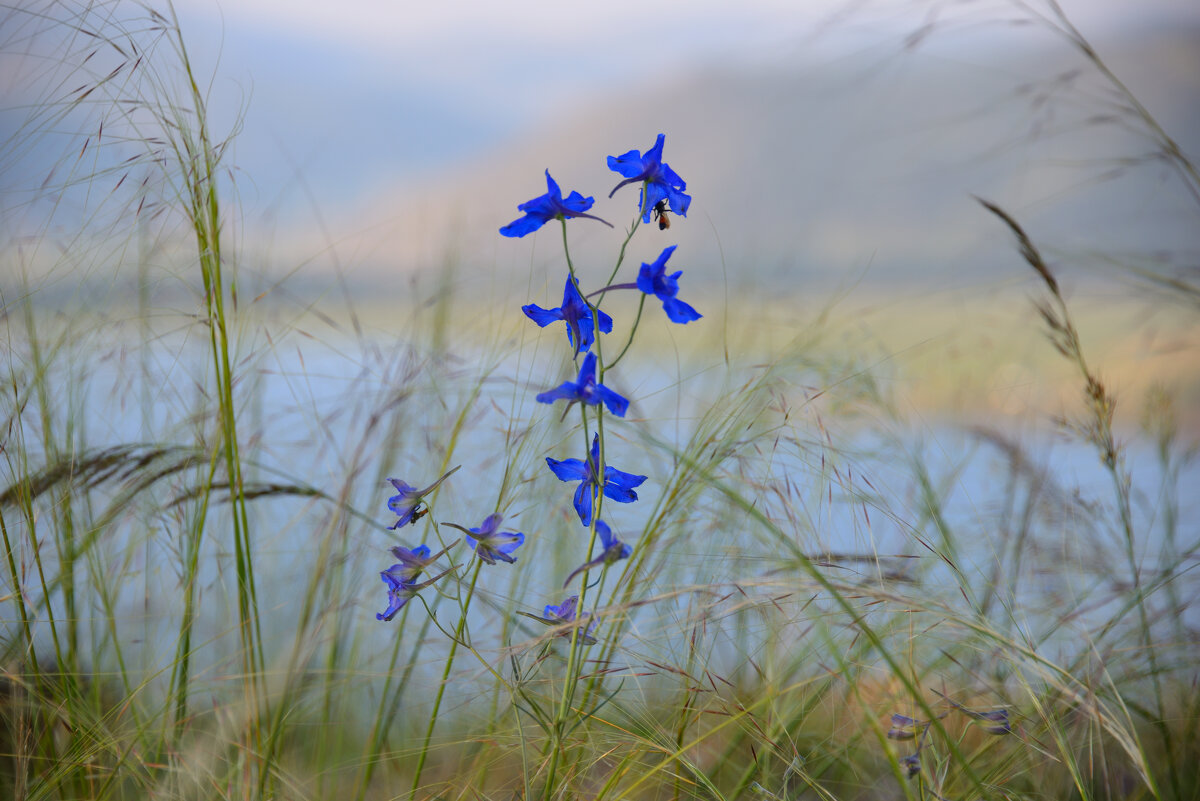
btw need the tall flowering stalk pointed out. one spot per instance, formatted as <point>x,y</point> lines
<point>661,191</point>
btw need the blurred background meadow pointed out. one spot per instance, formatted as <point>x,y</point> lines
<point>917,520</point>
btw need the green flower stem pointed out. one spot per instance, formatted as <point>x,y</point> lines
<point>573,660</point>
<point>632,331</point>
<point>387,710</point>
<point>621,256</point>
<point>437,701</point>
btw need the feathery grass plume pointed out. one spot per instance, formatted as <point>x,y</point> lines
<point>1096,427</point>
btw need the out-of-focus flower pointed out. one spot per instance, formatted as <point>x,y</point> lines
<point>576,313</point>
<point>612,550</point>
<point>904,727</point>
<point>489,543</point>
<point>617,484</point>
<point>660,181</point>
<point>653,280</point>
<point>585,390</point>
<point>401,588</point>
<point>413,562</point>
<point>408,504</point>
<point>566,613</point>
<point>997,720</point>
<point>550,206</point>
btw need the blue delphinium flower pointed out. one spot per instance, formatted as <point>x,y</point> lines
<point>653,280</point>
<point>566,613</point>
<point>408,504</point>
<point>661,182</point>
<point>402,586</point>
<point>612,550</point>
<point>413,562</point>
<point>617,484</point>
<point>586,390</point>
<point>576,313</point>
<point>489,543</point>
<point>549,206</point>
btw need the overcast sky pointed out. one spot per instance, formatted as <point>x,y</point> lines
<point>339,99</point>
<point>418,84</point>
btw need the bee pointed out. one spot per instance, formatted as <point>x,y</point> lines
<point>419,512</point>
<point>660,214</point>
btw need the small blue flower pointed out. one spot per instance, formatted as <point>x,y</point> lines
<point>617,485</point>
<point>402,587</point>
<point>586,390</point>
<point>399,591</point>
<point>408,503</point>
<point>653,280</point>
<point>491,544</point>
<point>413,562</point>
<point>567,613</point>
<point>576,313</point>
<point>612,550</point>
<point>661,182</point>
<point>550,206</point>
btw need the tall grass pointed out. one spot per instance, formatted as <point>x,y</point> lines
<point>822,602</point>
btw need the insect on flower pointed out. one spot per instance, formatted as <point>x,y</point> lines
<point>659,181</point>
<point>409,504</point>
<point>660,214</point>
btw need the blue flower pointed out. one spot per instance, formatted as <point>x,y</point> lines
<point>413,562</point>
<point>661,182</point>
<point>550,206</point>
<point>566,614</point>
<point>653,280</point>
<point>408,503</point>
<point>617,485</point>
<point>576,313</point>
<point>491,544</point>
<point>612,550</point>
<point>401,587</point>
<point>586,390</point>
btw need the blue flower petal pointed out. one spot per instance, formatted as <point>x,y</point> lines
<point>680,312</point>
<point>583,502</point>
<point>615,403</point>
<point>568,390</point>
<point>659,180</point>
<point>543,317</point>
<point>549,206</point>
<point>568,469</point>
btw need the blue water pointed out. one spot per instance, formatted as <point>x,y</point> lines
<point>1016,525</point>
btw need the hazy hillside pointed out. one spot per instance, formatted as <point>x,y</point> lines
<point>807,171</point>
<point>821,171</point>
